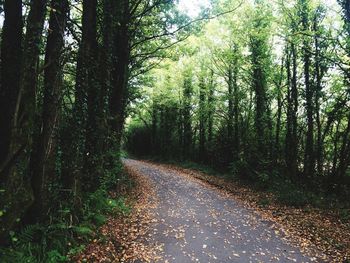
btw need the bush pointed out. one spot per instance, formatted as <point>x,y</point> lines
<point>291,195</point>
<point>53,243</point>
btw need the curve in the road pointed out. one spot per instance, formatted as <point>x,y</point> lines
<point>195,223</point>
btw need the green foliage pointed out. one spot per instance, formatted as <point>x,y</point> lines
<point>120,206</point>
<point>234,97</point>
<point>53,243</point>
<point>113,172</point>
<point>37,243</point>
<point>289,194</point>
<point>345,215</point>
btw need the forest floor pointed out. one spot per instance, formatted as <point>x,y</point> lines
<point>181,215</point>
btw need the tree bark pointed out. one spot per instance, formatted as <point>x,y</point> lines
<point>202,119</point>
<point>260,88</point>
<point>291,148</point>
<point>43,158</point>
<point>93,147</point>
<point>187,125</point>
<point>211,107</point>
<point>120,70</point>
<point>11,149</point>
<point>309,160</point>
<point>10,73</point>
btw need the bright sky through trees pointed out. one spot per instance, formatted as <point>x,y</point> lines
<point>193,7</point>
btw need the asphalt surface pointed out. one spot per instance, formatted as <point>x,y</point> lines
<point>198,223</point>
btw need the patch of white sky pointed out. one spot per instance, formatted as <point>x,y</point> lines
<point>193,7</point>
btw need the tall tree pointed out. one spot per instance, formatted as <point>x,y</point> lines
<point>93,161</point>
<point>260,55</point>
<point>10,73</point>
<point>202,118</point>
<point>86,101</point>
<point>120,67</point>
<point>43,158</point>
<point>291,142</point>
<point>11,57</point>
<point>211,105</point>
<point>309,160</point>
<point>186,115</point>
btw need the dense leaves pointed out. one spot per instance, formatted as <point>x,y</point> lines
<point>262,92</point>
<point>68,71</point>
<point>255,88</point>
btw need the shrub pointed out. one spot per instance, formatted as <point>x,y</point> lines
<point>291,195</point>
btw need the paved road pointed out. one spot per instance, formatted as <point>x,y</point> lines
<point>197,223</point>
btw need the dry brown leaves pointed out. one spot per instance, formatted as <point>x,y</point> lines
<point>123,238</point>
<point>317,232</point>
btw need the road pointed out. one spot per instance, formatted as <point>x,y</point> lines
<point>199,223</point>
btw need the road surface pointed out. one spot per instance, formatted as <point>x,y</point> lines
<point>199,223</point>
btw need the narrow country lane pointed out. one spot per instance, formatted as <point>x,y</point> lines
<point>198,223</point>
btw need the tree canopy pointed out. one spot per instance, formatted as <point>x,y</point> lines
<point>257,89</point>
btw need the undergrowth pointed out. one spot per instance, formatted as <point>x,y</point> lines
<point>64,236</point>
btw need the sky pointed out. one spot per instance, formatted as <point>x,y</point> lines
<point>192,7</point>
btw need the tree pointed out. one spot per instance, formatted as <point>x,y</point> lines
<point>43,158</point>
<point>202,118</point>
<point>186,114</point>
<point>259,48</point>
<point>309,160</point>
<point>10,148</point>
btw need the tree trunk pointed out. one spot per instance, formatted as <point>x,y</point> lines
<point>93,143</point>
<point>260,87</point>
<point>10,73</point>
<point>211,107</point>
<point>279,113</point>
<point>43,158</point>
<point>80,158</point>
<point>187,126</point>
<point>202,120</point>
<point>309,160</point>
<point>291,149</point>
<point>318,76</point>
<point>236,139</point>
<point>120,70</point>
<point>344,155</point>
<point>11,147</point>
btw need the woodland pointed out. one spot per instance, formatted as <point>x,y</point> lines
<point>259,90</point>
<point>261,93</point>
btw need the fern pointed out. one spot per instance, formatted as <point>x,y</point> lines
<point>83,231</point>
<point>29,233</point>
<point>15,256</point>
